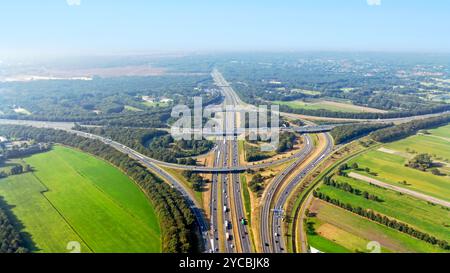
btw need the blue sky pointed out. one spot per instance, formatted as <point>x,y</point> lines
<point>126,26</point>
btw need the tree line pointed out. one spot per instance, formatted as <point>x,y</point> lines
<point>197,181</point>
<point>345,133</point>
<point>367,115</point>
<point>177,221</point>
<point>384,220</point>
<point>350,189</point>
<point>11,240</point>
<point>408,129</point>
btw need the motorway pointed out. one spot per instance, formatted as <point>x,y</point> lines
<point>278,240</point>
<point>271,191</point>
<point>214,205</point>
<point>236,214</point>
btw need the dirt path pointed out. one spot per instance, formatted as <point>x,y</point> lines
<point>401,190</point>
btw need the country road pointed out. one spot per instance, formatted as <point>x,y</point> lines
<point>409,192</point>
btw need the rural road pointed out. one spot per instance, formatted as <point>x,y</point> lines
<point>400,189</point>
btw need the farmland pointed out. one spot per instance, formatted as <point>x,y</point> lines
<point>441,131</point>
<point>72,196</point>
<point>390,168</point>
<point>430,144</point>
<point>342,231</point>
<point>328,105</point>
<point>429,218</point>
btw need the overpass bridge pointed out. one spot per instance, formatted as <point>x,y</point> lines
<point>240,131</point>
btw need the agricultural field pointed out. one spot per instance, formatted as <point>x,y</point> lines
<point>72,196</point>
<point>328,105</point>
<point>337,230</point>
<point>432,219</point>
<point>443,131</point>
<point>391,169</point>
<point>434,145</point>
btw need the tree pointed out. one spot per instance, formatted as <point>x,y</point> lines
<point>436,172</point>
<point>421,162</point>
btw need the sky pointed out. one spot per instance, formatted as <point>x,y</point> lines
<point>83,27</point>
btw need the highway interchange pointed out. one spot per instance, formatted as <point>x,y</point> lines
<point>232,233</point>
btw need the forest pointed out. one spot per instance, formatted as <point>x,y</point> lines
<point>103,101</point>
<point>345,133</point>
<point>369,80</point>
<point>408,129</point>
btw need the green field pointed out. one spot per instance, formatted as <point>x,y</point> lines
<point>132,108</point>
<point>353,232</point>
<point>73,196</point>
<point>326,105</point>
<point>431,219</point>
<point>441,131</point>
<point>156,104</point>
<point>306,92</point>
<point>430,144</point>
<point>391,169</point>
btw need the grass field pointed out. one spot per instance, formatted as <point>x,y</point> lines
<point>306,92</point>
<point>73,196</point>
<point>441,131</point>
<point>327,105</point>
<point>156,104</point>
<point>432,219</point>
<point>132,108</point>
<point>433,145</point>
<point>390,169</point>
<point>353,232</point>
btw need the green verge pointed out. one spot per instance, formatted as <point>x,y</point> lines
<point>246,195</point>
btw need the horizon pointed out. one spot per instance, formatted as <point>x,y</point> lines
<point>55,28</point>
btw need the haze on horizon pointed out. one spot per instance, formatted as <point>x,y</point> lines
<point>83,27</point>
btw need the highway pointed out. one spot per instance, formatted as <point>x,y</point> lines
<point>277,231</point>
<point>236,206</point>
<point>270,193</point>
<point>214,201</point>
<point>229,225</point>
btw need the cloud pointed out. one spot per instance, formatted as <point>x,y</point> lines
<point>374,2</point>
<point>73,2</point>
